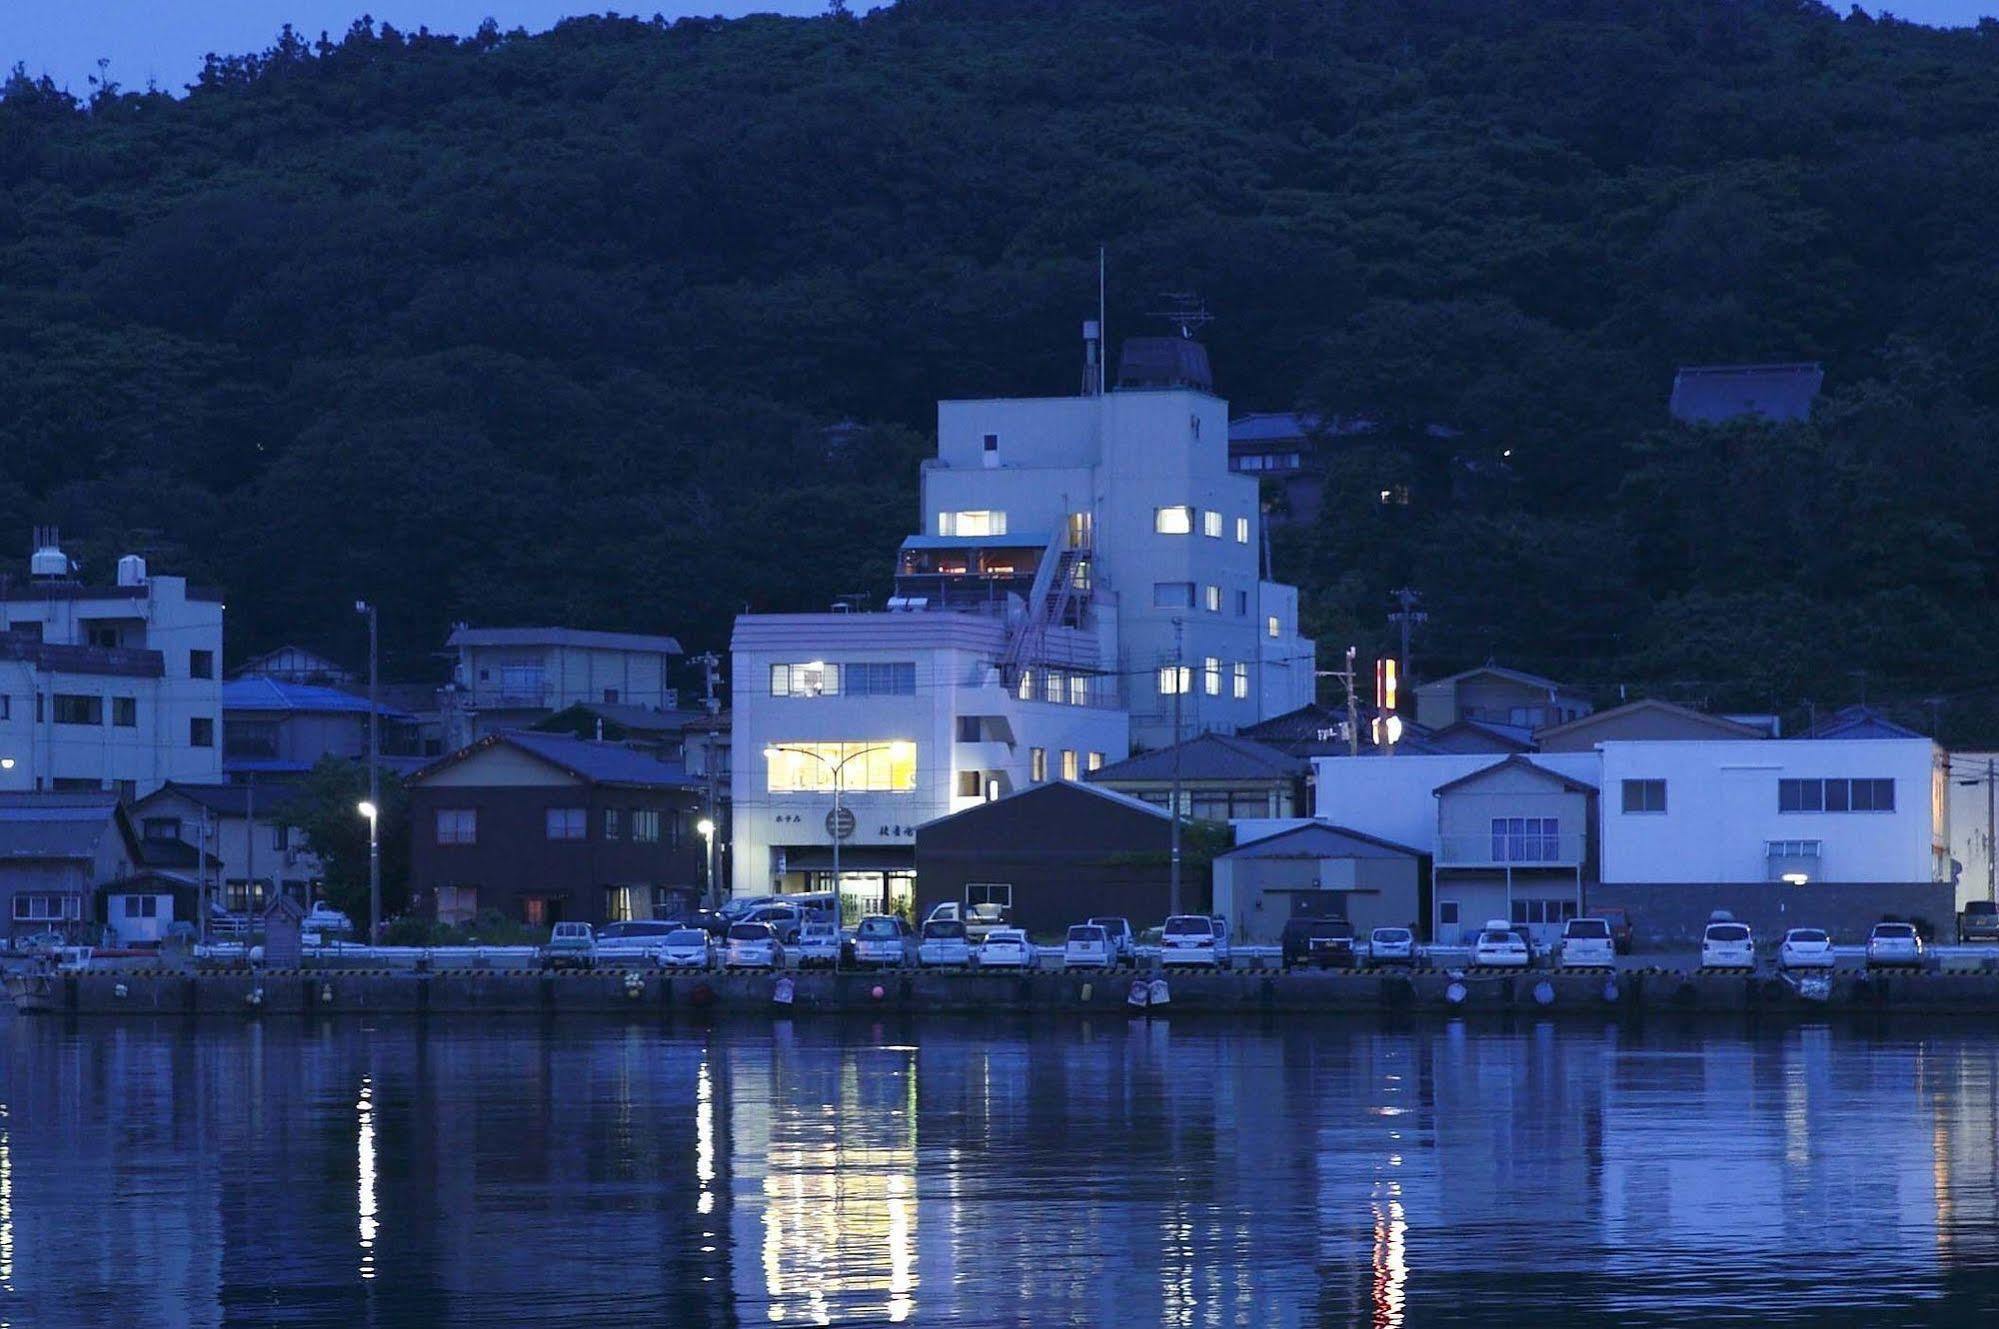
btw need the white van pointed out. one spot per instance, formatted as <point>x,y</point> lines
<point>1195,939</point>
<point>1588,944</point>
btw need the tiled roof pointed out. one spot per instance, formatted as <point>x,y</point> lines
<point>586,759</point>
<point>1320,839</point>
<point>61,826</point>
<point>257,693</point>
<point>616,641</point>
<point>1206,757</point>
<point>273,801</point>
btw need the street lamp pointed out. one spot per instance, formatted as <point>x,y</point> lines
<point>707,828</point>
<point>367,608</point>
<point>897,750</point>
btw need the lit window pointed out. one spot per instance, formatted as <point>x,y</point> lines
<point>645,825</point>
<point>1211,524</point>
<point>1241,681</point>
<point>1242,530</point>
<point>1173,521</point>
<point>1096,761</point>
<point>1026,689</point>
<point>1069,770</point>
<point>1079,690</point>
<point>882,766</point>
<point>1175,681</point>
<point>1211,677</point>
<point>1212,596</point>
<point>567,824</point>
<point>1272,627</point>
<point>817,679</point>
<point>975,521</point>
<point>1051,686</point>
<point>1037,764</point>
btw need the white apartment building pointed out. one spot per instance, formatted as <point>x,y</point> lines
<point>510,678</point>
<point>1085,565</point>
<point>108,687</point>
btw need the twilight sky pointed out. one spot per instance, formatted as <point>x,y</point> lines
<point>148,39</point>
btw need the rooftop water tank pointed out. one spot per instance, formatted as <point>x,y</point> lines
<point>131,570</point>
<point>48,561</point>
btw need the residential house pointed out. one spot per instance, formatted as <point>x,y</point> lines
<point>1055,854</point>
<point>1514,703</point>
<point>1714,394</point>
<point>1858,722</point>
<point>295,664</point>
<point>56,851</point>
<point>249,830</point>
<point>1320,869</point>
<point>1513,842</point>
<point>547,828</point>
<point>281,730</point>
<point>1321,731</point>
<point>1831,833</point>
<point>1221,776</point>
<point>1646,720</point>
<point>1087,575</point>
<point>107,687</point>
<point>509,678</point>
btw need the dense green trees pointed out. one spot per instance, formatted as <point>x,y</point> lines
<point>564,327</point>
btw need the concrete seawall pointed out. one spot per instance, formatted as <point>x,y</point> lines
<point>244,994</point>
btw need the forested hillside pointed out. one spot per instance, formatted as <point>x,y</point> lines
<point>559,328</point>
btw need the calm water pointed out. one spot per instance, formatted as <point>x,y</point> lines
<point>1198,1174</point>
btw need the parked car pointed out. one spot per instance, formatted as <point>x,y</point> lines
<point>753,946</point>
<point>739,907</point>
<point>1727,944</point>
<point>1327,943</point>
<point>1894,946</point>
<point>1620,926</point>
<point>1088,947</point>
<point>1124,942</point>
<point>1500,946</point>
<point>1391,946</point>
<point>639,936</point>
<point>1978,923</point>
<point>570,946</point>
<point>40,944</point>
<point>818,945</point>
<point>687,948</point>
<point>1588,943</point>
<point>948,911</point>
<point>886,940</point>
<point>1006,948</point>
<point>784,919</point>
<point>324,918</point>
<point>1195,939</point>
<point>981,919</point>
<point>944,943</point>
<point>1805,948</point>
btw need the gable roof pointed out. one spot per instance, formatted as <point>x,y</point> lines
<point>273,800</point>
<point>61,825</point>
<point>583,758</point>
<point>1475,736</point>
<point>1045,788</point>
<point>1860,722</point>
<point>1516,762</point>
<point>581,637</point>
<point>258,693</point>
<point>1723,727</point>
<point>634,719</point>
<point>1319,839</point>
<point>1711,394</point>
<point>1207,756</point>
<point>1497,671</point>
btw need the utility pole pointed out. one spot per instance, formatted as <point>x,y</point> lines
<point>1346,677</point>
<point>713,706</point>
<point>1407,616</point>
<point>1991,854</point>
<point>1179,691</point>
<point>374,809</point>
<point>250,839</point>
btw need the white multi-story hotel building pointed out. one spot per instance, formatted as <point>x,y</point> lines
<point>1087,566</point>
<point>108,687</point>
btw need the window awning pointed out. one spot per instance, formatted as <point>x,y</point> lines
<point>858,858</point>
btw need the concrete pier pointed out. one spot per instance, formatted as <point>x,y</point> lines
<point>250,994</point>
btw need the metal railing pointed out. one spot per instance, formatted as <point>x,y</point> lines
<point>1512,849</point>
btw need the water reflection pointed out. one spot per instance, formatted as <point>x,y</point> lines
<point>1132,1173</point>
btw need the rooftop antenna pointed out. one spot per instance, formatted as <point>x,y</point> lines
<point>1186,311</point>
<point>1103,325</point>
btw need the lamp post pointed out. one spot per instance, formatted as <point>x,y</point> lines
<point>707,828</point>
<point>896,749</point>
<point>370,808</point>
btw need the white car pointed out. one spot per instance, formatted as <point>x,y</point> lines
<point>753,946</point>
<point>1587,943</point>
<point>1124,942</point>
<point>1006,948</point>
<point>1500,947</point>
<point>886,940</point>
<point>1194,939</point>
<point>786,920</point>
<point>944,943</point>
<point>1894,946</point>
<point>324,918</point>
<point>686,948</point>
<point>1726,944</point>
<point>818,945</point>
<point>1391,946</point>
<point>1805,948</point>
<point>1088,947</point>
<point>637,939</point>
<point>950,911</point>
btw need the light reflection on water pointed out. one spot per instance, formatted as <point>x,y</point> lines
<point>1148,1173</point>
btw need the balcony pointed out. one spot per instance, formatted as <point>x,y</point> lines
<point>1520,850</point>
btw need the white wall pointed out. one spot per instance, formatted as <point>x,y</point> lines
<point>1394,797</point>
<point>1721,809</point>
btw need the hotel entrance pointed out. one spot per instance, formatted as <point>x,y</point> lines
<point>872,877</point>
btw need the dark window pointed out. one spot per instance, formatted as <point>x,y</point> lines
<point>161,828</point>
<point>567,824</point>
<point>200,732</point>
<point>610,696</point>
<point>74,709</point>
<point>614,823</point>
<point>969,785</point>
<point>992,443</point>
<point>281,836</point>
<point>1836,795</point>
<point>1644,795</point>
<point>6,708</point>
<point>645,825</point>
<point>201,664</point>
<point>895,679</point>
<point>968,729</point>
<point>125,712</point>
<point>104,637</point>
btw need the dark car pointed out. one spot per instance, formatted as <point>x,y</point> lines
<point>707,920</point>
<point>1978,922</point>
<point>1620,927</point>
<point>1325,943</point>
